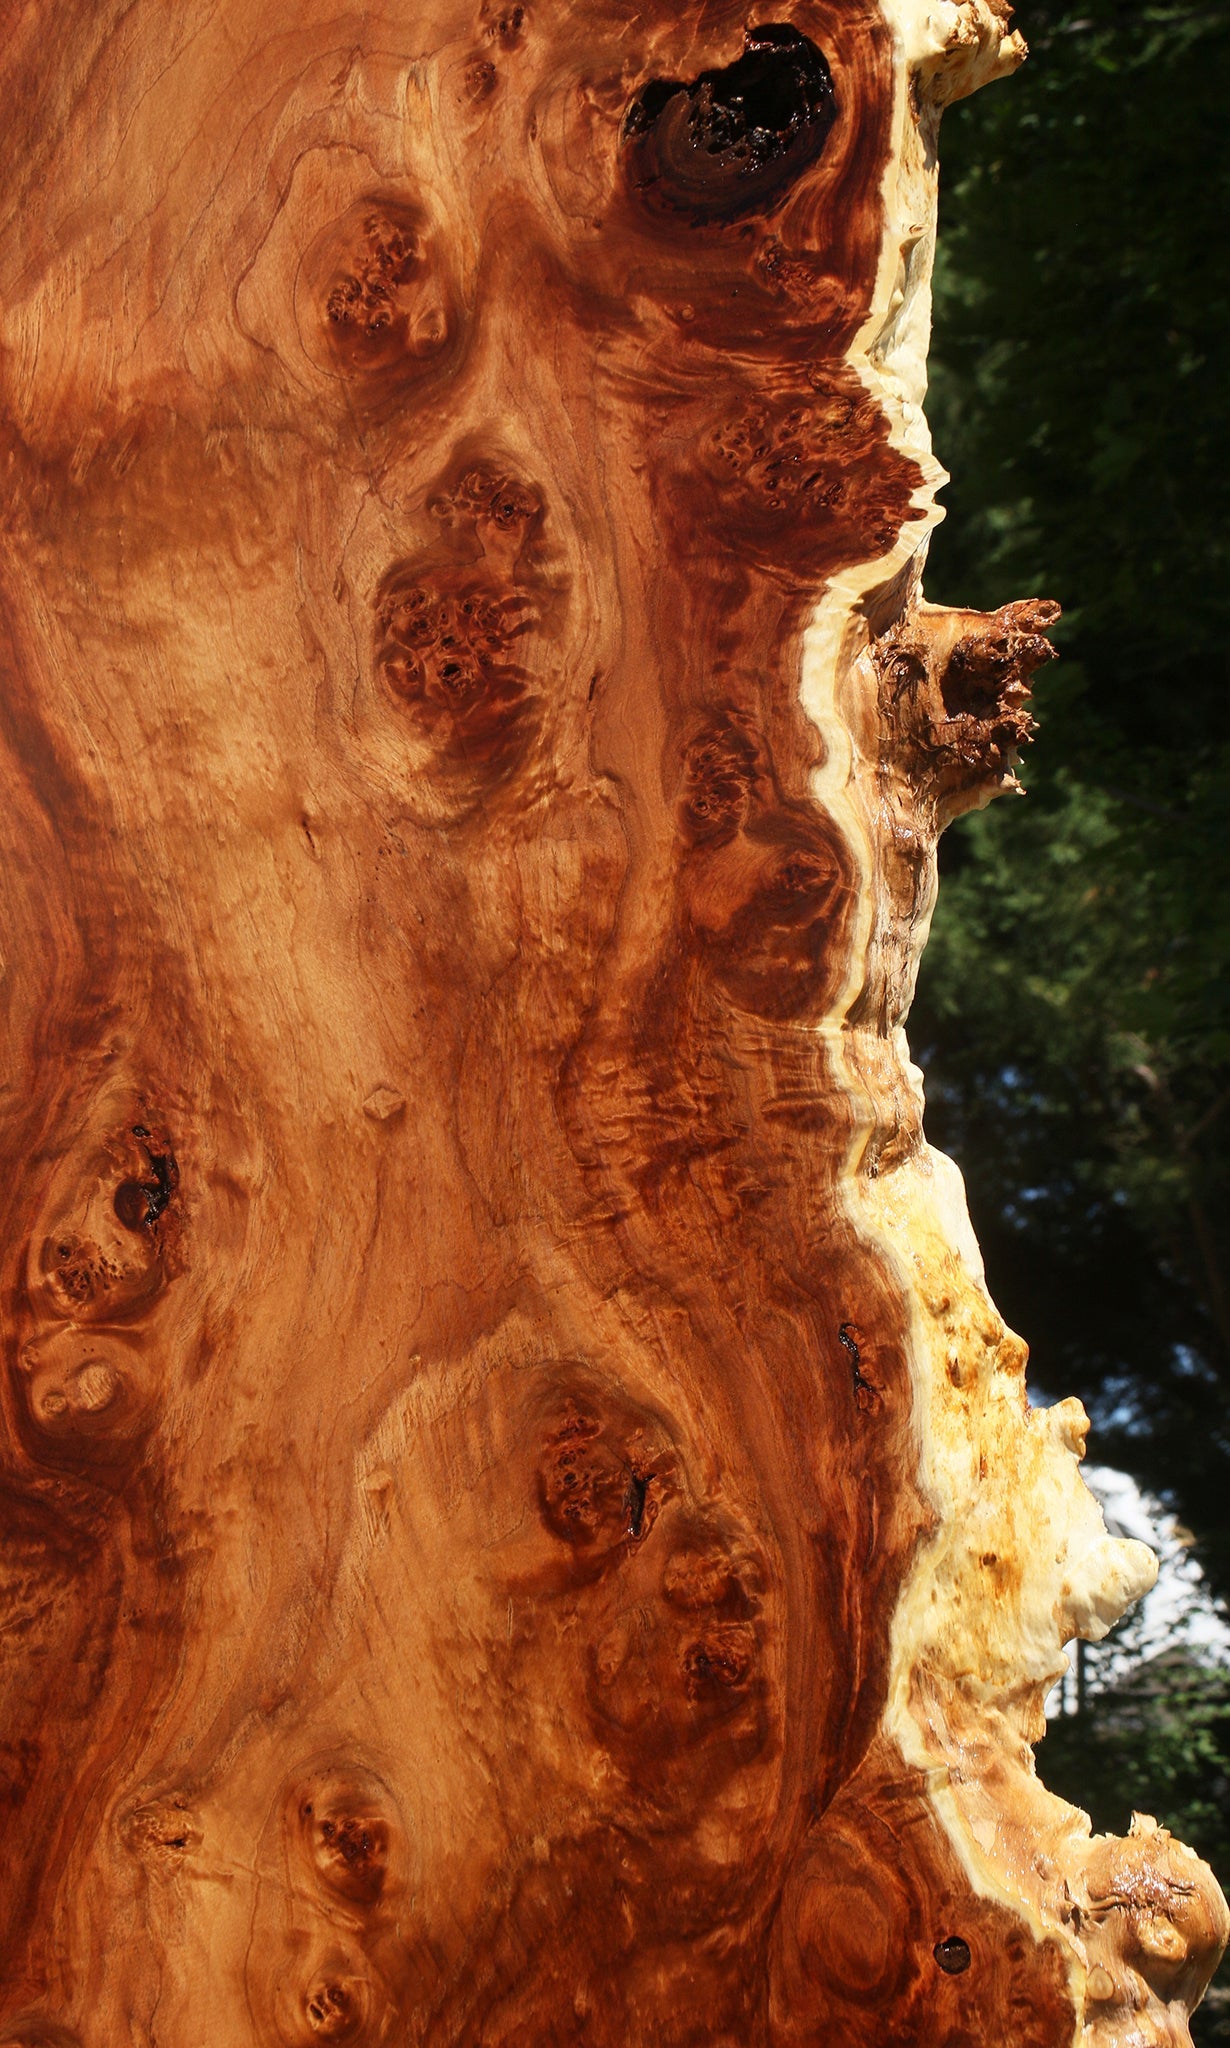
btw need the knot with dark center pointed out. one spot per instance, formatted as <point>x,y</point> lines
<point>732,141</point>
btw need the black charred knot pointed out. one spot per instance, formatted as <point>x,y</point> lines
<point>637,1489</point>
<point>138,1203</point>
<point>732,141</point>
<point>849,1344</point>
<point>952,1955</point>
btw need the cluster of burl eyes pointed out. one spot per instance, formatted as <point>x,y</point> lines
<point>675,1653</point>
<point>348,1845</point>
<point>450,629</point>
<point>95,1279</point>
<point>446,650</point>
<point>367,300</point>
<point>762,885</point>
<point>383,303</point>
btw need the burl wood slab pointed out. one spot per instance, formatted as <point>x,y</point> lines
<point>521,1524</point>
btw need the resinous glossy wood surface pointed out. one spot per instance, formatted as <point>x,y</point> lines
<point>520,1525</point>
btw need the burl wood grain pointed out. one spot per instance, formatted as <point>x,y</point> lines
<point>520,1523</point>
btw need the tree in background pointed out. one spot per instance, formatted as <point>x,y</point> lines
<point>1157,1739</point>
<point>1073,1013</point>
<point>1074,1008</point>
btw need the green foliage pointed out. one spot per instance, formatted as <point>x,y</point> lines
<point>1073,1014</point>
<point>1158,1742</point>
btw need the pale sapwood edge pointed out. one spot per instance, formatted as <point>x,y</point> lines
<point>1020,1563</point>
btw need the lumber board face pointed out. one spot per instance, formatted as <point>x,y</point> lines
<point>520,1523</point>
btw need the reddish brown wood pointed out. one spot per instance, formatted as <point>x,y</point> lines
<point>475,1454</point>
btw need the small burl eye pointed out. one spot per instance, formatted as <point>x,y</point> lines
<point>732,141</point>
